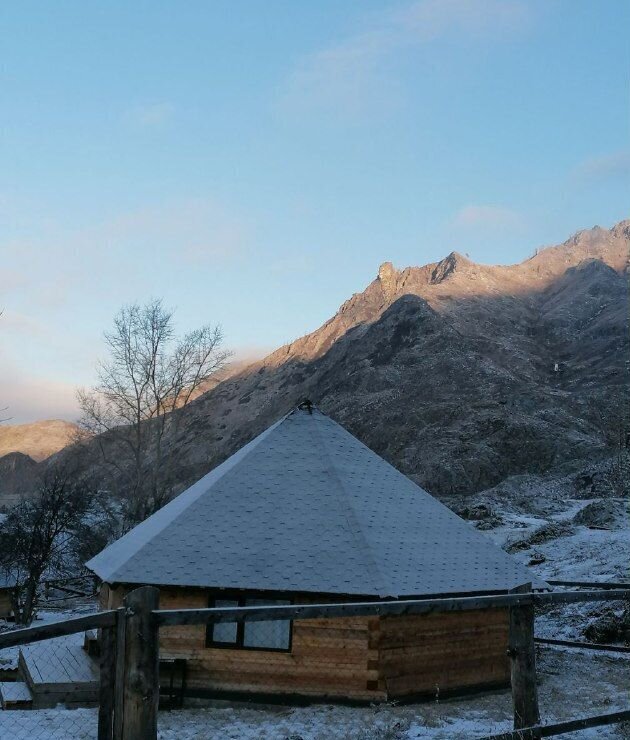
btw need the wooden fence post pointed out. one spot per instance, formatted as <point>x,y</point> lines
<point>141,690</point>
<point>107,683</point>
<point>119,679</point>
<point>522,654</point>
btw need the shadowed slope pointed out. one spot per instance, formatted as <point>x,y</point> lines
<point>458,374</point>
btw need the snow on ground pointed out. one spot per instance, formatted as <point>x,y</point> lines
<point>9,656</point>
<point>571,684</point>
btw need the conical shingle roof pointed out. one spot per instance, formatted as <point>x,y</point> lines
<point>306,507</point>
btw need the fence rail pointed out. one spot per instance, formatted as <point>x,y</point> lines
<point>590,584</point>
<point>582,645</point>
<point>27,635</point>
<point>562,728</point>
<point>129,648</point>
<point>381,608</point>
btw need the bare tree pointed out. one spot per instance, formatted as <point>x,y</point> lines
<point>41,536</point>
<point>149,376</point>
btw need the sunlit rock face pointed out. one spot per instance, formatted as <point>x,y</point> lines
<point>459,374</point>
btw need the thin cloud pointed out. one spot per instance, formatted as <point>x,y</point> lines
<point>487,217</point>
<point>348,76</point>
<point>605,167</point>
<point>191,230</point>
<point>31,399</point>
<point>53,261</point>
<point>53,271</point>
<point>431,19</point>
<point>296,264</point>
<point>150,116</point>
<point>11,280</point>
<point>21,324</point>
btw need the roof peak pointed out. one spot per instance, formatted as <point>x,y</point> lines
<point>306,507</point>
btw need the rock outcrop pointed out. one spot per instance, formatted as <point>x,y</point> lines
<point>459,374</point>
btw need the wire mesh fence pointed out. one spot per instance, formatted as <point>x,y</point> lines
<point>304,672</point>
<point>50,688</point>
<point>379,677</point>
<point>357,678</point>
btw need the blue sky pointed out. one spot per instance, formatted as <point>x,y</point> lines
<point>253,163</point>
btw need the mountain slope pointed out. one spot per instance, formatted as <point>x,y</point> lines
<point>38,440</point>
<point>18,476</point>
<point>459,374</point>
<point>449,370</point>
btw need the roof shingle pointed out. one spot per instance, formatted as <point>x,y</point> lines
<point>306,507</point>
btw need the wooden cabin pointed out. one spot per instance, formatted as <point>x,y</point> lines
<point>305,513</point>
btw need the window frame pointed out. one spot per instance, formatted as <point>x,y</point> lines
<point>239,644</point>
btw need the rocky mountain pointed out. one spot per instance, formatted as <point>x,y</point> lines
<point>18,475</point>
<point>460,374</point>
<point>38,440</point>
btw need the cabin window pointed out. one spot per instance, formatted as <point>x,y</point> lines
<point>226,633</point>
<point>275,634</point>
<point>267,635</point>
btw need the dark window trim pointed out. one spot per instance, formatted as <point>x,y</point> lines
<point>241,600</point>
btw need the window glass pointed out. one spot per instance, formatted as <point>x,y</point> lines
<point>274,634</point>
<point>225,631</point>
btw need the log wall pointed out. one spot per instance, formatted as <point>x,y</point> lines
<point>442,653</point>
<point>360,658</point>
<point>328,658</point>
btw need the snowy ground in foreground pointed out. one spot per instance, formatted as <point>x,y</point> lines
<point>9,656</point>
<point>572,683</point>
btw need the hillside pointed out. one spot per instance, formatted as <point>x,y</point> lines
<point>449,370</point>
<point>18,474</point>
<point>38,440</point>
<point>460,374</point>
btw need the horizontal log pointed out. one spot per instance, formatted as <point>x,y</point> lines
<point>583,645</point>
<point>462,633</point>
<point>441,657</point>
<point>329,636</point>
<point>289,667</point>
<point>57,629</point>
<point>450,641</point>
<point>560,728</point>
<point>380,608</point>
<point>285,683</point>
<point>287,695</point>
<point>318,654</point>
<point>486,614</point>
<point>417,665</point>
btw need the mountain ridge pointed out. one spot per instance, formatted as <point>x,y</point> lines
<point>39,439</point>
<point>513,315</point>
<point>459,374</point>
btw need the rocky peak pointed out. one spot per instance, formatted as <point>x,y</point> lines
<point>447,267</point>
<point>622,230</point>
<point>388,276</point>
<point>455,383</point>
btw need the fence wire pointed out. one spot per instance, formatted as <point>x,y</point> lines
<point>49,689</point>
<point>324,678</point>
<point>292,681</point>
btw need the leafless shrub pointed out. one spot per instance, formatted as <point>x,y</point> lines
<point>40,536</point>
<point>149,376</point>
